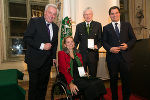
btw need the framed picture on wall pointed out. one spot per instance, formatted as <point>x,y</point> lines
<point>37,13</point>
<point>37,10</point>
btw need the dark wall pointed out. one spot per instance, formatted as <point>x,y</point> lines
<point>140,72</point>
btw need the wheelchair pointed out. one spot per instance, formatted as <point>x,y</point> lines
<point>60,91</point>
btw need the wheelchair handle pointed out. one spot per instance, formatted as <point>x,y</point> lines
<point>56,69</point>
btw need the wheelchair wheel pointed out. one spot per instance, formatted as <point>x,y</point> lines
<point>59,92</point>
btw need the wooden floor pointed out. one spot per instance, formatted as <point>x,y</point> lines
<point>25,84</point>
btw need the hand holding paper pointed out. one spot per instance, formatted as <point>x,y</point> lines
<point>91,43</point>
<point>81,71</point>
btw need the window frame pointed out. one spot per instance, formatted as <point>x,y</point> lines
<point>8,18</point>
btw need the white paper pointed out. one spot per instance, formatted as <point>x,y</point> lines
<point>81,71</point>
<point>91,43</point>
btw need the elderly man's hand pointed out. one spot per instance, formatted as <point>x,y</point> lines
<point>47,46</point>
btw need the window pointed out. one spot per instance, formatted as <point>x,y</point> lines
<point>19,13</point>
<point>17,26</point>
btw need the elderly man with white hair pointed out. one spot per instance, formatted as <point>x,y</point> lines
<point>88,36</point>
<point>41,38</point>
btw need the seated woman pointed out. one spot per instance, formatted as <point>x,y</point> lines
<point>70,65</point>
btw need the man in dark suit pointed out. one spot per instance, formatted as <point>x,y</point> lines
<point>118,40</point>
<point>41,38</point>
<point>87,31</point>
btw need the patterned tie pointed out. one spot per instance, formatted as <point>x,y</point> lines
<point>88,28</point>
<point>48,30</point>
<point>117,30</point>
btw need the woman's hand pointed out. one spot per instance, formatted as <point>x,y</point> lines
<point>73,88</point>
<point>71,54</point>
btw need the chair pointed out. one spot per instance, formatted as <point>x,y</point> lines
<point>59,89</point>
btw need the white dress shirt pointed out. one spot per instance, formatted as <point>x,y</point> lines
<point>118,25</point>
<point>51,35</point>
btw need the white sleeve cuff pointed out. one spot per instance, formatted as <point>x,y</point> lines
<point>42,46</point>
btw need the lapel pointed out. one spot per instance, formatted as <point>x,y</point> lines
<point>44,27</point>
<point>54,31</point>
<point>111,28</point>
<point>84,27</point>
<point>91,27</point>
<point>43,24</point>
<point>121,29</point>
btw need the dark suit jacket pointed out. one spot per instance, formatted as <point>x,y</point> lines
<point>110,39</point>
<point>64,64</point>
<point>36,34</point>
<point>81,36</point>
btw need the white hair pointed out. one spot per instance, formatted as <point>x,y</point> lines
<point>88,8</point>
<point>51,5</point>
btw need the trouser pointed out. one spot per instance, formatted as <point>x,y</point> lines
<point>91,87</point>
<point>90,60</point>
<point>38,81</point>
<point>118,64</point>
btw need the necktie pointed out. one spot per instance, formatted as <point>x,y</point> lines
<point>48,30</point>
<point>117,30</point>
<point>88,28</point>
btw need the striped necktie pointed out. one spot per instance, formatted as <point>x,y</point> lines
<point>117,30</point>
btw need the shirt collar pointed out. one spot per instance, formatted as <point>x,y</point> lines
<point>88,23</point>
<point>48,22</point>
<point>116,22</point>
